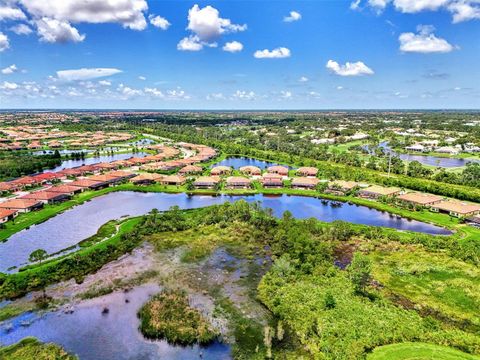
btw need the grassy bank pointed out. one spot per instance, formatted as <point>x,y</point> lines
<point>418,351</point>
<point>32,349</point>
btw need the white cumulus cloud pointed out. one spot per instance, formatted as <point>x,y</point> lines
<point>207,24</point>
<point>4,42</point>
<point>11,13</point>
<point>159,22</point>
<point>349,68</point>
<point>303,79</point>
<point>53,31</point>
<point>278,53</point>
<point>10,69</point>
<point>233,46</point>
<point>21,29</point>
<point>9,86</point>
<point>86,73</point>
<point>244,95</point>
<point>190,43</point>
<point>128,13</point>
<point>424,42</point>
<point>293,16</point>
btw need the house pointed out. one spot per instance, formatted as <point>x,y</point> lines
<point>122,175</point>
<point>280,170</point>
<point>250,170</point>
<point>146,179</point>
<point>307,171</point>
<point>272,181</point>
<point>340,187</point>
<point>206,182</point>
<point>190,169</point>
<point>304,183</point>
<point>420,199</point>
<point>47,177</point>
<point>220,170</point>
<point>88,184</point>
<point>25,182</point>
<point>416,148</point>
<point>106,179</point>
<point>65,189</point>
<point>6,214</point>
<point>237,182</point>
<point>447,150</point>
<point>376,191</point>
<point>47,197</point>
<point>172,180</point>
<point>456,208</point>
<point>75,172</point>
<point>21,205</point>
<point>9,187</point>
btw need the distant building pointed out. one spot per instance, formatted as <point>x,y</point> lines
<point>420,199</point>
<point>456,208</point>
<point>375,192</point>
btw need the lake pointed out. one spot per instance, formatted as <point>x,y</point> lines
<point>68,164</point>
<point>72,226</point>
<point>238,162</point>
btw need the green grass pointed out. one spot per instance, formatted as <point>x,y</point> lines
<point>31,349</point>
<point>169,316</point>
<point>12,310</point>
<point>418,351</point>
<point>430,280</point>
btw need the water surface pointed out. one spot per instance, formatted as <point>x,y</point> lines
<point>113,336</point>
<point>68,164</point>
<point>72,226</point>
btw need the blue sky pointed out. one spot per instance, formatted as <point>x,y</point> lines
<point>326,54</point>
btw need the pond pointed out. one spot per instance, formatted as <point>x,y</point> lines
<point>428,159</point>
<point>72,226</point>
<point>238,162</point>
<point>93,335</point>
<point>68,164</point>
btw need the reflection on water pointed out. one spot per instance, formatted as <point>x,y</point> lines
<point>80,222</point>
<point>112,336</point>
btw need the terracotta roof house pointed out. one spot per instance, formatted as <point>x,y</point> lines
<point>190,169</point>
<point>106,179</point>
<point>21,205</point>
<point>307,171</point>
<point>46,197</point>
<point>71,172</point>
<point>206,182</point>
<point>172,180</point>
<point>8,186</point>
<point>340,187</point>
<point>456,208</point>
<point>6,214</point>
<point>420,199</point>
<point>272,181</point>
<point>25,181</point>
<point>146,178</point>
<point>47,177</point>
<point>123,175</point>
<point>251,170</point>
<point>88,184</point>
<point>90,169</point>
<point>65,189</point>
<point>237,182</point>
<point>220,170</point>
<point>304,183</point>
<point>280,170</point>
<point>106,166</point>
<point>376,191</point>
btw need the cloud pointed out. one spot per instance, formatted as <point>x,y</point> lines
<point>10,13</point>
<point>159,22</point>
<point>9,86</point>
<point>293,16</point>
<point>190,43</point>
<point>215,96</point>
<point>233,46</point>
<point>10,69</point>
<point>154,92</point>
<point>53,31</point>
<point>424,42</point>
<point>143,78</point>
<point>278,53</point>
<point>128,13</point>
<point>303,79</point>
<point>21,29</point>
<point>286,94</point>
<point>461,10</point>
<point>104,83</point>
<point>244,95</point>
<point>4,42</point>
<point>207,24</point>
<point>349,69</point>
<point>86,73</point>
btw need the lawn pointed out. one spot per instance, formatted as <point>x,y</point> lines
<point>430,280</point>
<point>418,351</point>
